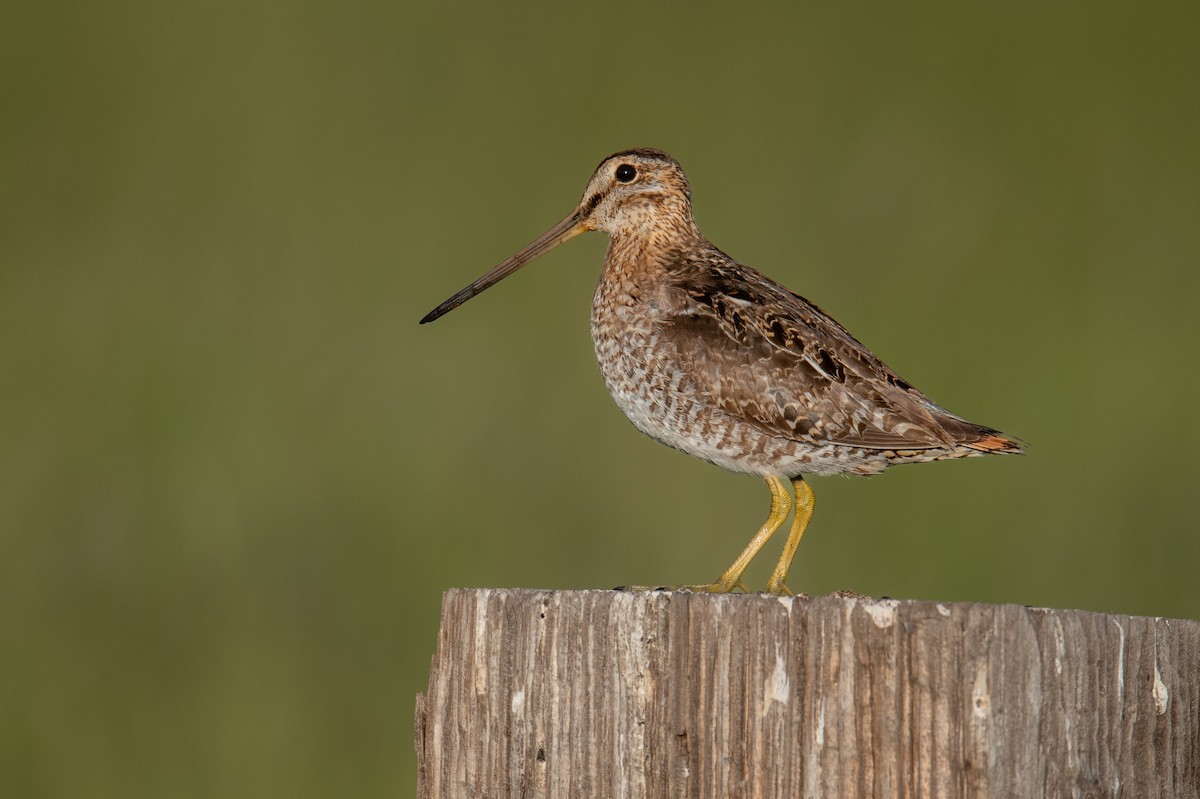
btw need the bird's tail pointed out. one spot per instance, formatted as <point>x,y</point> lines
<point>993,441</point>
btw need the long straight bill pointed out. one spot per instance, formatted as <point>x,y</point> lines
<point>565,230</point>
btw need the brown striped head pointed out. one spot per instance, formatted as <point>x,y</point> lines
<point>635,190</point>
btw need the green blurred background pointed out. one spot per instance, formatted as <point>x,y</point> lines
<point>236,476</point>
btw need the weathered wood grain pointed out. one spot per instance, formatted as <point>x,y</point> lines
<point>616,694</point>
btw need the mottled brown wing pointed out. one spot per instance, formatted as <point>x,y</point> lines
<point>770,357</point>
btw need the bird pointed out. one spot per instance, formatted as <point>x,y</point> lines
<point>709,356</point>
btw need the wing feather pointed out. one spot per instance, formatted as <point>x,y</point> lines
<point>770,357</point>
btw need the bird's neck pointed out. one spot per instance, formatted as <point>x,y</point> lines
<point>647,242</point>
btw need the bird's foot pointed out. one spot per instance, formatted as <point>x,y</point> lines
<point>718,587</point>
<point>778,588</point>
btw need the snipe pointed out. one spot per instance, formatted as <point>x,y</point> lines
<point>713,358</point>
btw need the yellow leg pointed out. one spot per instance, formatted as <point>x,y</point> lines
<point>805,501</point>
<point>781,505</point>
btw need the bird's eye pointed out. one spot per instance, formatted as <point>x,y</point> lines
<point>626,173</point>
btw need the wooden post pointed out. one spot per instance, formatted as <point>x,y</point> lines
<point>612,694</point>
